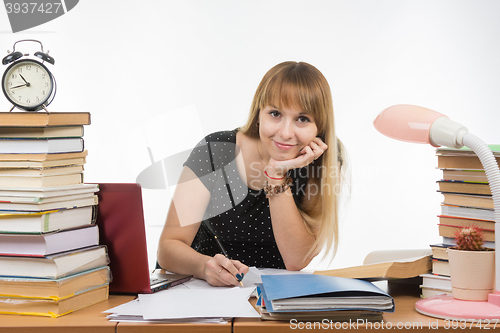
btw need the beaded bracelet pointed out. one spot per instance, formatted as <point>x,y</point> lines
<point>271,190</point>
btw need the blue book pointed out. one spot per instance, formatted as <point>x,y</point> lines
<point>310,292</point>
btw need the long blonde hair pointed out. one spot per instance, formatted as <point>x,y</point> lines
<point>298,84</point>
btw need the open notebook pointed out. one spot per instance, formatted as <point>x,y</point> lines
<point>121,228</point>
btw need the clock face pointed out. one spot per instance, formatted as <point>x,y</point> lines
<point>27,84</point>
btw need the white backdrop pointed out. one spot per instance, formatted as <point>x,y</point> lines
<point>162,74</point>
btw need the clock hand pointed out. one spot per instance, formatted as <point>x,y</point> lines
<point>22,77</point>
<point>27,83</point>
<point>22,85</point>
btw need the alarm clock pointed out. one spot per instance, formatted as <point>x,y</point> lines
<point>27,83</point>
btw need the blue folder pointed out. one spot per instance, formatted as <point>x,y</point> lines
<point>280,287</point>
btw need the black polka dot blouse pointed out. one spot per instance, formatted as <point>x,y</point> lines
<point>237,215</point>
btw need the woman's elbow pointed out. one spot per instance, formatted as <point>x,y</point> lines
<point>165,253</point>
<point>161,257</point>
<point>296,265</point>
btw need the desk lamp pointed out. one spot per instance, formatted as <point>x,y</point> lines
<point>420,125</point>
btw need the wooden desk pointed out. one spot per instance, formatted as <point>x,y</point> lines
<point>92,320</point>
<point>85,320</point>
<point>184,328</point>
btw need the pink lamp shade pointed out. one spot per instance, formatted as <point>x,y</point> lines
<point>407,123</point>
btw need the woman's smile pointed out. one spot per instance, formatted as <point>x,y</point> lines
<point>283,146</point>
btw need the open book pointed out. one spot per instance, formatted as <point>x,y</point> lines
<point>389,264</point>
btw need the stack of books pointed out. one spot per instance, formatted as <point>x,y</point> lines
<point>466,193</point>
<point>51,262</point>
<point>467,201</point>
<point>437,282</point>
<point>317,297</point>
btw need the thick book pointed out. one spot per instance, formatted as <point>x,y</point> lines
<point>43,119</point>
<point>38,194</point>
<point>57,203</point>
<point>44,222</point>
<point>433,285</point>
<point>460,222</point>
<point>41,160</point>
<point>440,251</point>
<point>46,181</point>
<point>476,176</point>
<point>42,132</point>
<point>464,187</point>
<point>440,267</point>
<point>431,292</point>
<point>391,264</point>
<point>461,162</point>
<point>41,172</point>
<point>38,198</point>
<point>55,266</point>
<point>468,212</point>
<point>452,241</point>
<point>449,231</point>
<point>55,289</point>
<point>436,281</point>
<point>41,146</point>
<point>465,151</point>
<point>463,158</point>
<point>53,308</point>
<point>468,200</point>
<point>50,243</point>
<point>310,292</point>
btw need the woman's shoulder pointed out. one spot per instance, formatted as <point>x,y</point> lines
<point>221,136</point>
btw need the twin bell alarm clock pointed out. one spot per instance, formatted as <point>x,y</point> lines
<point>27,82</point>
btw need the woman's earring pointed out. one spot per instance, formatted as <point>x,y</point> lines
<point>257,124</point>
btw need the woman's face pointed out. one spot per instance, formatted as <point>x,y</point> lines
<point>284,132</point>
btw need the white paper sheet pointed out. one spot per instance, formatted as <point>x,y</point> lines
<point>194,300</point>
<point>140,319</point>
<point>198,303</point>
<point>131,312</point>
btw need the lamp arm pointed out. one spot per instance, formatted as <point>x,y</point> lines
<point>492,171</point>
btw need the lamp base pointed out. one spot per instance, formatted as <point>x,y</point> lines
<point>447,307</point>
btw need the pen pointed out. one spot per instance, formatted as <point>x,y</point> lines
<point>238,277</point>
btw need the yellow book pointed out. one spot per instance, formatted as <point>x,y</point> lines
<point>54,289</point>
<point>50,307</point>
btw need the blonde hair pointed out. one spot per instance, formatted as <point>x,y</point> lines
<point>298,84</point>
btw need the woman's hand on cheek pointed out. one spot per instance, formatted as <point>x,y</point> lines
<point>308,154</point>
<point>318,147</point>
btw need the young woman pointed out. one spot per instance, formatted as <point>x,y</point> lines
<point>267,192</point>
